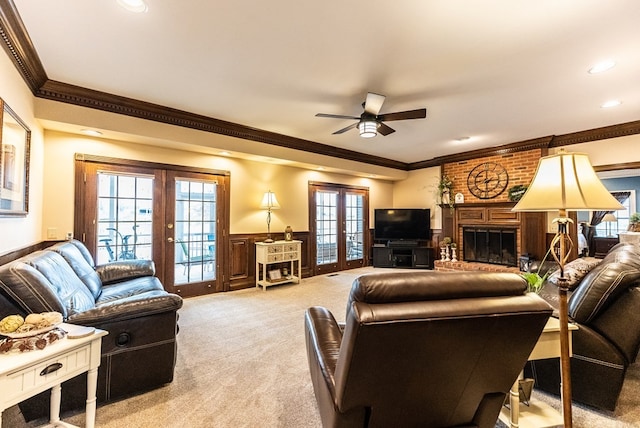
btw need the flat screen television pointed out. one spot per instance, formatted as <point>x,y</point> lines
<point>395,224</point>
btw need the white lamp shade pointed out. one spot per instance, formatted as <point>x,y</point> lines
<point>610,218</point>
<point>566,181</point>
<point>269,201</point>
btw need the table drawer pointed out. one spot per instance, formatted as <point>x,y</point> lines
<point>291,256</point>
<point>274,258</point>
<point>274,248</point>
<point>36,377</point>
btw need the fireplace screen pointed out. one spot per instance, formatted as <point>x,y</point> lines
<point>490,245</point>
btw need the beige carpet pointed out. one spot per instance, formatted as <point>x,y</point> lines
<point>242,363</point>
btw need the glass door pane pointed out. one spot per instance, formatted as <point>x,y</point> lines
<point>354,221</point>
<point>326,227</point>
<point>195,231</point>
<point>125,219</point>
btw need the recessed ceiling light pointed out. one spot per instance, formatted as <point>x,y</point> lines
<point>225,153</point>
<point>611,103</point>
<point>137,6</point>
<point>91,132</point>
<point>602,66</point>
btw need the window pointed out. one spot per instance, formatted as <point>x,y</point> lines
<point>622,217</point>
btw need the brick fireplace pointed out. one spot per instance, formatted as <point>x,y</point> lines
<point>512,233</point>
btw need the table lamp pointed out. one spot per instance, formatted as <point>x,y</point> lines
<point>269,202</point>
<point>565,182</point>
<point>609,218</point>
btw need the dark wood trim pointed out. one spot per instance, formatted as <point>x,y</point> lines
<point>536,143</point>
<point>76,95</point>
<point>603,133</point>
<point>19,47</point>
<point>21,252</point>
<point>145,164</point>
<point>617,166</point>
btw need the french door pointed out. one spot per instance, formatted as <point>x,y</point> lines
<point>339,222</point>
<point>177,218</point>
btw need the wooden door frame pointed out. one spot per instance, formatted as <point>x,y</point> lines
<point>82,227</point>
<point>341,188</point>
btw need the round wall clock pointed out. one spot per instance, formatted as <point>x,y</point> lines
<point>487,180</point>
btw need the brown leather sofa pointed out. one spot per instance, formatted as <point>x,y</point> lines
<point>423,349</point>
<point>605,304</point>
<point>123,298</point>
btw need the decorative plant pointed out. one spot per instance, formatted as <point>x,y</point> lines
<point>445,187</point>
<point>446,241</point>
<point>534,280</point>
<point>454,245</point>
<point>634,222</point>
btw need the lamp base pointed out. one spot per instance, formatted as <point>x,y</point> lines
<point>268,240</point>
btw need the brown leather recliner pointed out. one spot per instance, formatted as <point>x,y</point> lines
<point>423,349</point>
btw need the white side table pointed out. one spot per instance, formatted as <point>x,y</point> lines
<point>278,252</point>
<point>537,414</point>
<point>23,375</point>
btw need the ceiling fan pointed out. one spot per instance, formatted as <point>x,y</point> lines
<point>370,123</point>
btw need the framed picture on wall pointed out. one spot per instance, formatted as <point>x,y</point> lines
<point>15,138</point>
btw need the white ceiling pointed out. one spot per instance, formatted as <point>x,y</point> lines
<point>498,71</point>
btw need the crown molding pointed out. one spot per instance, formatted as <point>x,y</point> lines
<point>71,94</point>
<point>19,47</point>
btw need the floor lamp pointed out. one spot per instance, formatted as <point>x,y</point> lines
<point>565,182</point>
<point>269,203</point>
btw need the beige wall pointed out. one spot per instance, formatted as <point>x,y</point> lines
<point>419,190</point>
<point>17,232</point>
<point>249,180</point>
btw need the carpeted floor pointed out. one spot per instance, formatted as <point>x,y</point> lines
<point>242,363</point>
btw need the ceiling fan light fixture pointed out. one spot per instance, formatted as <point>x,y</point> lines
<point>368,128</point>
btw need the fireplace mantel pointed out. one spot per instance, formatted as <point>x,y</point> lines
<point>530,226</point>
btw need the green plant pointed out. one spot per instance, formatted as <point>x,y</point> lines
<point>454,245</point>
<point>634,222</point>
<point>534,280</point>
<point>445,186</point>
<point>446,241</point>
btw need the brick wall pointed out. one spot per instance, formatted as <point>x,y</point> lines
<point>520,166</point>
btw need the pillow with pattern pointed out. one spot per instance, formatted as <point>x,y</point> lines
<point>574,271</point>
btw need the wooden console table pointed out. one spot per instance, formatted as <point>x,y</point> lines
<point>268,253</point>
<point>25,374</point>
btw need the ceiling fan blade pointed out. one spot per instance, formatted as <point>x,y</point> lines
<point>340,131</point>
<point>373,103</point>
<point>385,130</point>
<point>402,115</point>
<point>337,116</point>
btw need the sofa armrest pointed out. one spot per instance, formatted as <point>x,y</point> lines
<point>125,269</point>
<point>324,337</point>
<point>140,305</point>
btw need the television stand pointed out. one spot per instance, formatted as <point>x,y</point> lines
<point>406,256</point>
<point>402,243</point>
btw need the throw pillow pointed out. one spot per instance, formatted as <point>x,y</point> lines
<point>574,271</point>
